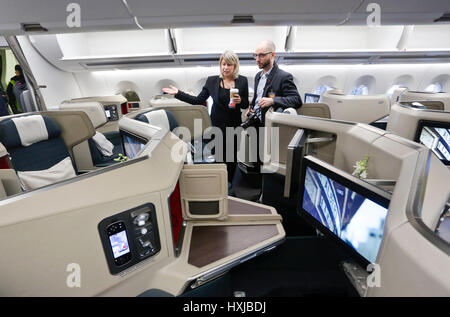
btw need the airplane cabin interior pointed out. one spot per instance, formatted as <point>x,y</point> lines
<point>108,182</point>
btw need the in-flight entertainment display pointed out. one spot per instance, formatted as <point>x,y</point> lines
<point>132,144</point>
<point>435,136</point>
<point>349,211</point>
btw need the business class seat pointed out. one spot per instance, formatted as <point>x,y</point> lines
<point>426,96</point>
<point>430,105</point>
<point>404,119</point>
<point>36,149</point>
<point>319,110</point>
<point>174,262</point>
<point>104,148</point>
<point>396,93</point>
<point>166,120</point>
<point>356,108</point>
<point>160,118</point>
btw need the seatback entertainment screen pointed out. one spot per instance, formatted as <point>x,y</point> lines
<point>435,136</point>
<point>132,144</point>
<point>352,212</point>
<point>311,98</point>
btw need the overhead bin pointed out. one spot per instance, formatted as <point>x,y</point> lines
<point>96,45</point>
<point>173,47</point>
<point>346,38</point>
<point>218,39</point>
<point>118,49</point>
<point>430,37</point>
<point>105,50</point>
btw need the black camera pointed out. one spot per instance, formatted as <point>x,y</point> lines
<point>253,119</point>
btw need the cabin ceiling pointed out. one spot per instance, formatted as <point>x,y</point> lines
<point>187,47</point>
<point>195,32</point>
<point>104,15</point>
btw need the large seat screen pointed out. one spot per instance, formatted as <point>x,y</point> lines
<point>348,211</point>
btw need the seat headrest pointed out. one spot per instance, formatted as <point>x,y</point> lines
<point>160,118</point>
<point>166,102</point>
<point>27,130</point>
<point>319,110</point>
<point>94,110</point>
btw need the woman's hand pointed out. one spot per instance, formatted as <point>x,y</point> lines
<point>236,99</point>
<point>172,90</point>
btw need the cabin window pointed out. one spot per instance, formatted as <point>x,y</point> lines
<point>360,90</point>
<point>434,87</point>
<point>321,89</point>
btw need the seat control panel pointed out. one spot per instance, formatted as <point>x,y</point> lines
<point>111,112</point>
<point>130,237</point>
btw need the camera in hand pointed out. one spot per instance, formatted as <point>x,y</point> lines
<point>253,119</point>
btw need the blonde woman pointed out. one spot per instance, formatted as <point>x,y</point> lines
<point>223,114</point>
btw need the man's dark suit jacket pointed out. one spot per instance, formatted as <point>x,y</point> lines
<point>221,115</point>
<point>282,83</point>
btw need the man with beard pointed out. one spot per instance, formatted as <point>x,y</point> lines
<point>273,87</point>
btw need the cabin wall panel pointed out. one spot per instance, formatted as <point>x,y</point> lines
<point>436,73</point>
<point>384,76</point>
<point>60,85</point>
<point>149,82</point>
<point>308,77</point>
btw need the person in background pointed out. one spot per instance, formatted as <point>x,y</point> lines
<point>4,111</point>
<point>18,79</point>
<point>225,111</point>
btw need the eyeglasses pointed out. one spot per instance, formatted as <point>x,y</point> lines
<point>261,55</point>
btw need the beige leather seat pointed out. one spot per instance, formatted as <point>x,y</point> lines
<point>403,119</point>
<point>420,96</point>
<point>356,108</point>
<point>430,105</point>
<point>320,110</point>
